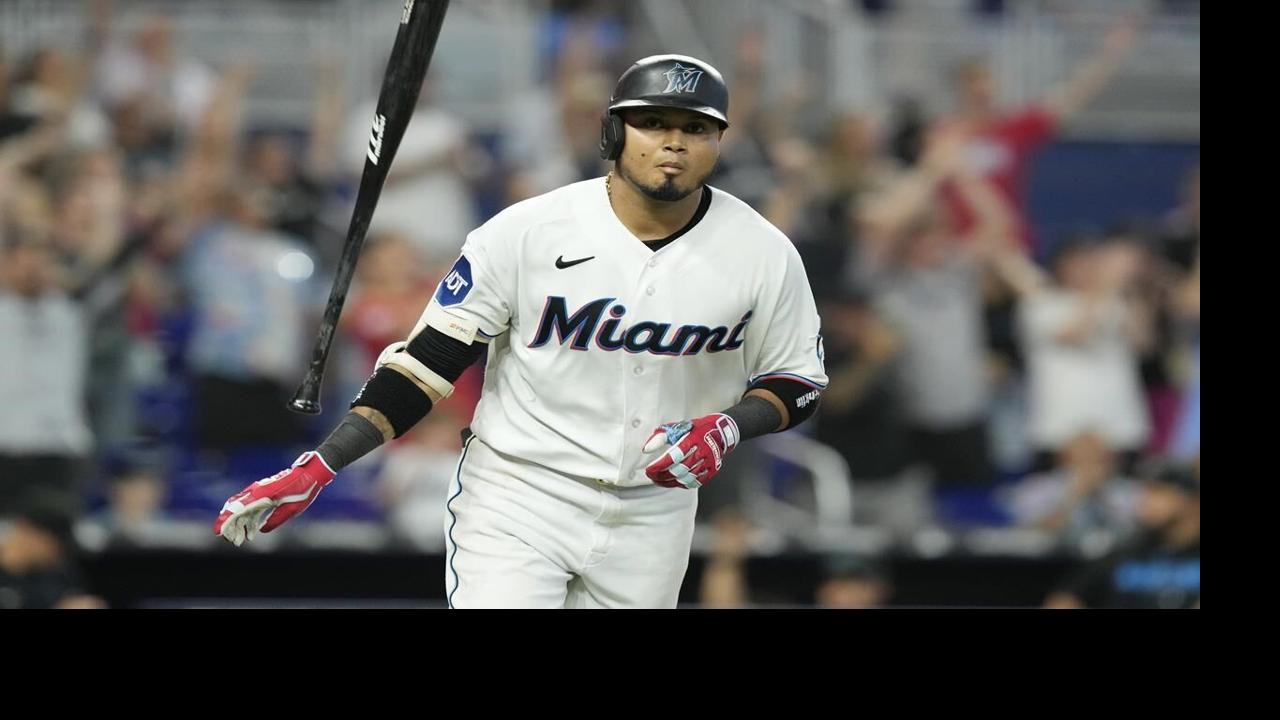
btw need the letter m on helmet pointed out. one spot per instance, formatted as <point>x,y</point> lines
<point>681,79</point>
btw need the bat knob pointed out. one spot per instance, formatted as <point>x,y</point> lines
<point>304,405</point>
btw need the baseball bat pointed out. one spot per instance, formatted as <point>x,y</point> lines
<point>407,67</point>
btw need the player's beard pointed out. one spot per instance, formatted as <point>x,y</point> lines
<point>667,190</point>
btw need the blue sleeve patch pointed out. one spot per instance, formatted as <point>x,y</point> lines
<point>456,285</point>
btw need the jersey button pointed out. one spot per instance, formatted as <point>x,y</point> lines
<point>638,370</point>
<point>653,263</point>
<point>635,423</point>
<point>649,290</point>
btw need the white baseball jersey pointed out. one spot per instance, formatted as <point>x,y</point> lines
<point>595,339</point>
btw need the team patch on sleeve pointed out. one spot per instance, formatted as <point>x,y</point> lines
<point>456,285</point>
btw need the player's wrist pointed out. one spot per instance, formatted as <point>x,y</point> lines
<point>315,461</point>
<point>753,417</point>
<point>729,430</point>
<point>354,438</point>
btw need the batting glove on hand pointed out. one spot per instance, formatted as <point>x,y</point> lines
<point>267,504</point>
<point>698,449</point>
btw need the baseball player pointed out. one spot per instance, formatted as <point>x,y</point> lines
<point>638,327</point>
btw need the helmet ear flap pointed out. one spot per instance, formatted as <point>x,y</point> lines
<point>612,135</point>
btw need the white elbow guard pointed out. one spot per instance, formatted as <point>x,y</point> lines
<point>395,354</point>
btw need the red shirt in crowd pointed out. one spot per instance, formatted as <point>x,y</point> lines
<point>1001,154</point>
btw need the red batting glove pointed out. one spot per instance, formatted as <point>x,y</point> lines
<point>698,449</point>
<point>267,504</point>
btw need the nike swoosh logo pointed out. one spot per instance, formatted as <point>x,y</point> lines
<point>562,265</point>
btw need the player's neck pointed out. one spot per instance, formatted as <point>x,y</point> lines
<point>646,218</point>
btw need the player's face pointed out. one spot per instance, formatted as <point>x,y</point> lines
<point>669,153</point>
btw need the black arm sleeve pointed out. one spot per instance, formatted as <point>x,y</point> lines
<point>800,399</point>
<point>755,416</point>
<point>448,357</point>
<point>352,440</point>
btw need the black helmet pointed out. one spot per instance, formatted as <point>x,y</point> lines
<point>675,81</point>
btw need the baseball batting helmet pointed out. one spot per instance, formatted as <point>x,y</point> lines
<point>674,81</point>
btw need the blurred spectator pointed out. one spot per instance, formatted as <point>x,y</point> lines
<point>48,89</point>
<point>551,136</point>
<point>853,582</point>
<point>294,175</point>
<point>428,197</point>
<point>928,286</point>
<point>293,197</point>
<point>814,218</point>
<point>44,434</point>
<point>848,582</point>
<point>747,471</point>
<point>37,565</point>
<point>1001,145</point>
<point>1155,336</point>
<point>135,503</point>
<point>1181,227</point>
<point>863,418</point>
<point>415,476</point>
<point>724,579</point>
<point>208,164</point>
<point>747,151</point>
<point>149,150</point>
<point>815,194</point>
<point>1080,337</point>
<point>909,127</point>
<point>90,197</point>
<point>1161,567</point>
<point>1186,439</point>
<point>250,295</point>
<point>1084,493</point>
<point>1182,251</point>
<point>791,203</point>
<point>10,124</point>
<point>1011,446</point>
<point>172,90</point>
<point>25,205</point>
<point>853,162</point>
<point>91,201</point>
<point>392,288</point>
